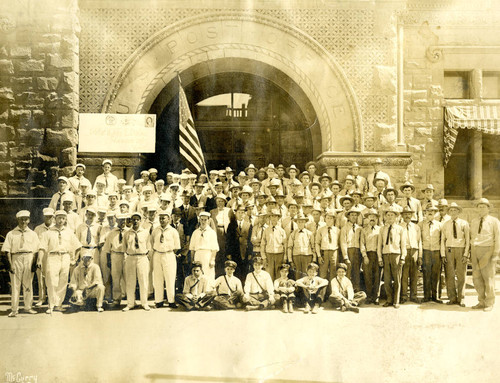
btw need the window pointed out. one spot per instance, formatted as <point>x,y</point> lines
<point>491,166</point>
<point>491,85</point>
<point>456,85</point>
<point>458,170</point>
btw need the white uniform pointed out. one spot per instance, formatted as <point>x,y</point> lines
<point>203,243</point>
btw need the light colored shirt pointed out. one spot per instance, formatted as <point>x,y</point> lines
<point>195,286</point>
<point>396,243</point>
<point>21,241</point>
<point>431,235</point>
<point>327,238</point>
<point>415,205</point>
<point>95,231</point>
<point>462,232</point>
<point>54,202</point>
<point>221,285</point>
<point>301,243</point>
<point>342,288</point>
<point>369,239</point>
<point>84,277</point>
<point>273,240</point>
<point>110,182</point>
<point>413,236</point>
<point>315,282</point>
<point>490,233</point>
<point>349,237</point>
<point>63,241</point>
<point>256,237</point>
<point>204,240</point>
<point>263,277</point>
<point>42,228</point>
<point>139,247</point>
<point>165,240</point>
<point>113,242</point>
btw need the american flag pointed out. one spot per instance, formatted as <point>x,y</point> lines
<point>189,144</point>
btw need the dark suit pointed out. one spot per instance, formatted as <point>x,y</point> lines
<point>194,201</point>
<point>237,245</point>
<point>189,219</point>
<point>184,260</point>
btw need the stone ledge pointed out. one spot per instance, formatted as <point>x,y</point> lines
<point>391,159</point>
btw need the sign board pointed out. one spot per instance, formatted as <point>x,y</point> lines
<point>122,133</point>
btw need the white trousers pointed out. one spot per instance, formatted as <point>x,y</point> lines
<point>164,271</point>
<point>21,264</point>
<point>204,256</point>
<point>106,274</point>
<point>137,269</point>
<point>118,274</point>
<point>57,278</point>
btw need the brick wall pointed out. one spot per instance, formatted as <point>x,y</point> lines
<point>39,94</point>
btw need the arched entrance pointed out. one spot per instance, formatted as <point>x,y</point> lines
<point>238,37</point>
<point>276,125</point>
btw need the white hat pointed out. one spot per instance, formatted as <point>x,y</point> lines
<point>107,161</point>
<point>23,214</point>
<point>205,214</point>
<point>48,212</point>
<point>80,165</point>
<point>62,178</point>
<point>60,212</point>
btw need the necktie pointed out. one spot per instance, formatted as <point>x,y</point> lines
<point>480,225</point>
<point>58,206</point>
<point>454,229</point>
<point>21,245</point>
<point>389,237</point>
<point>202,232</point>
<point>161,237</point>
<point>120,236</point>
<point>329,234</point>
<point>408,202</point>
<point>85,272</point>
<point>136,240</point>
<point>151,229</point>
<point>59,237</point>
<point>106,181</point>
<point>89,235</point>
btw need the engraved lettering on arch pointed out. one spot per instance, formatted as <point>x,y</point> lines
<point>339,109</point>
<point>212,32</point>
<point>171,45</point>
<point>191,37</point>
<point>272,37</point>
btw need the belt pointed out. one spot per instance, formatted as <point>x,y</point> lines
<point>302,255</point>
<point>163,252</point>
<point>23,252</point>
<point>90,247</point>
<point>58,252</point>
<point>138,254</point>
<point>117,252</point>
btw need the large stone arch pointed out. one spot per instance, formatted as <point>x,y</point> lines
<point>236,35</point>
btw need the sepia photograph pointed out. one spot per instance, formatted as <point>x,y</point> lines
<point>249,191</point>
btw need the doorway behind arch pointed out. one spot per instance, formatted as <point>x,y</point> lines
<point>240,118</point>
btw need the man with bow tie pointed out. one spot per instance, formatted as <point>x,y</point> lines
<point>86,282</point>
<point>204,246</point>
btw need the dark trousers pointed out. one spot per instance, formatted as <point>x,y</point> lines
<point>392,277</point>
<point>358,299</point>
<point>354,269</point>
<point>410,274</point>
<point>455,266</point>
<point>372,276</point>
<point>226,301</point>
<point>314,298</point>
<point>259,299</point>
<point>183,271</point>
<point>432,273</point>
<point>194,304</point>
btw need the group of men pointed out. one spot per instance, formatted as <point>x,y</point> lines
<point>267,236</point>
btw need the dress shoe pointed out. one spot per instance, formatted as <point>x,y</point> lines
<point>307,309</point>
<point>402,300</point>
<point>251,307</point>
<point>387,304</point>
<point>461,304</point>
<point>49,311</point>
<point>479,306</point>
<point>173,305</point>
<point>396,306</point>
<point>158,305</point>
<point>343,308</point>
<point>290,307</point>
<point>127,308</point>
<point>315,309</point>
<point>12,314</point>
<point>59,309</point>
<point>31,311</point>
<point>488,308</point>
<point>415,300</point>
<point>437,300</point>
<point>376,303</point>
<point>100,309</point>
<point>146,307</point>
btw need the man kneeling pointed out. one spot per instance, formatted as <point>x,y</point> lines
<point>343,295</point>
<point>259,289</point>
<point>313,289</point>
<point>86,282</point>
<point>228,288</point>
<point>197,293</point>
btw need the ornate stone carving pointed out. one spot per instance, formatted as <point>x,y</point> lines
<point>393,159</point>
<point>434,54</point>
<point>130,162</point>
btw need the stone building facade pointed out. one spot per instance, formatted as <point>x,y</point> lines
<point>370,77</point>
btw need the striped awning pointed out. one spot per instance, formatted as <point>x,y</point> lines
<point>481,117</point>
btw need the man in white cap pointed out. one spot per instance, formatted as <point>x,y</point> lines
<point>455,246</point>
<point>153,175</point>
<point>113,251</point>
<point>21,245</point>
<point>76,181</point>
<point>81,198</point>
<point>89,235</point>
<point>138,252</point>
<point>204,246</point>
<point>165,242</point>
<point>485,242</point>
<point>56,247</point>
<point>62,189</point>
<point>90,202</point>
<point>48,222</point>
<point>86,282</point>
<point>109,180</point>
<point>377,174</point>
<point>73,219</point>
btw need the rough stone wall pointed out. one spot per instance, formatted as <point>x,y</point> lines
<point>39,94</point>
<point>435,37</point>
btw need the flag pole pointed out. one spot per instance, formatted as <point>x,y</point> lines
<point>180,85</point>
